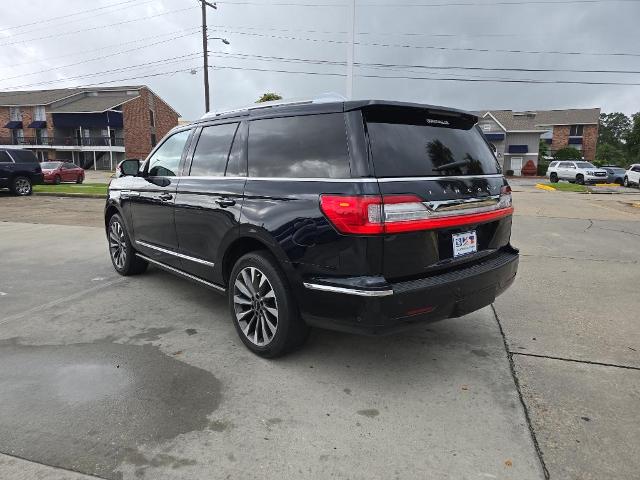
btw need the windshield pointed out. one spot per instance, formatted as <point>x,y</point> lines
<point>50,165</point>
<point>585,165</point>
<point>410,144</point>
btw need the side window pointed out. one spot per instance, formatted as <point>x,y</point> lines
<point>553,164</point>
<point>311,146</point>
<point>4,157</point>
<point>212,150</point>
<point>165,161</point>
<point>636,169</point>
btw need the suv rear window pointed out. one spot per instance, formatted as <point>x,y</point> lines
<point>311,146</point>
<point>23,156</point>
<point>413,143</point>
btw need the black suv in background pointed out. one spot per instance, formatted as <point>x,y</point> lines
<point>19,171</point>
<point>360,216</point>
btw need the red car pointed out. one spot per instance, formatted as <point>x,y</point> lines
<point>57,172</point>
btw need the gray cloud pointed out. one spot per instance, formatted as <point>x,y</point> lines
<point>602,27</point>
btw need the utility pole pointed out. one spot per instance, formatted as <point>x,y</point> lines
<point>205,52</point>
<point>351,28</point>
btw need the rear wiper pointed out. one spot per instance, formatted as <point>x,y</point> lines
<point>449,166</point>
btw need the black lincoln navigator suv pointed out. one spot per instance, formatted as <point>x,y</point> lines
<point>360,216</point>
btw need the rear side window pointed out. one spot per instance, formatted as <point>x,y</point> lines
<point>4,157</point>
<point>23,156</point>
<point>212,150</point>
<point>312,146</point>
<point>408,143</point>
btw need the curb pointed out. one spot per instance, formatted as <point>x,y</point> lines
<point>545,187</point>
<point>77,195</point>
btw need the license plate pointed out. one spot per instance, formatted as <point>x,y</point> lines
<point>465,243</point>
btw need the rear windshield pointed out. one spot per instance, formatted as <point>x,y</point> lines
<point>23,156</point>
<point>415,143</point>
<point>50,165</point>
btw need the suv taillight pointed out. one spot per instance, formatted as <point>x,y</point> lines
<point>374,214</point>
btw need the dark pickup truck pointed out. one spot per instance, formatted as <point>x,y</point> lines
<point>19,171</point>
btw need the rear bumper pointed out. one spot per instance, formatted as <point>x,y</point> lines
<point>375,307</point>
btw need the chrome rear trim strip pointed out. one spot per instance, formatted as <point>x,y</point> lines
<point>183,274</point>
<point>348,291</point>
<point>175,254</point>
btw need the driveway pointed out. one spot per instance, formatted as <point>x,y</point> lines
<point>144,377</point>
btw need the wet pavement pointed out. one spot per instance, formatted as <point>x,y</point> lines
<point>87,407</point>
<point>145,377</point>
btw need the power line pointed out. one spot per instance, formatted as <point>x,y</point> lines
<point>428,67</point>
<point>433,47</point>
<point>498,3</point>
<point>60,24</point>
<point>59,34</point>
<point>94,59</point>
<point>406,77</point>
<point>163,61</point>
<point>103,47</point>
<point>67,15</point>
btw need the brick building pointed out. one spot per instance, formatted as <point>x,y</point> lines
<point>516,135</point>
<point>93,128</point>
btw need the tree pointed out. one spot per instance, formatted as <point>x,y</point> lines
<point>614,127</point>
<point>607,154</point>
<point>543,150</point>
<point>568,153</point>
<point>632,139</point>
<point>269,97</point>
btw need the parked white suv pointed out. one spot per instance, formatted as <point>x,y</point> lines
<point>632,175</point>
<point>578,172</point>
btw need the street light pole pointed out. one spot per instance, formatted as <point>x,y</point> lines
<point>351,29</point>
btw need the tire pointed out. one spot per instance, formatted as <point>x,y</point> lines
<point>21,186</point>
<point>626,182</point>
<point>258,284</point>
<point>80,179</point>
<point>122,254</point>
<point>553,178</point>
<point>57,180</point>
<point>580,179</point>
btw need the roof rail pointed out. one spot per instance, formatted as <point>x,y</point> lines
<point>323,98</point>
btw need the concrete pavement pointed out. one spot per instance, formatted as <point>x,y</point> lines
<point>145,377</point>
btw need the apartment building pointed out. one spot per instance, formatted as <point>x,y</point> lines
<point>516,135</point>
<point>93,128</point>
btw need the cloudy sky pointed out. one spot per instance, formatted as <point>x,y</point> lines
<point>56,43</point>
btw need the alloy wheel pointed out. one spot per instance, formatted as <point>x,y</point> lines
<point>117,244</point>
<point>22,186</point>
<point>255,305</point>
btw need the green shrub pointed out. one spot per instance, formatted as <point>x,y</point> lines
<point>568,153</point>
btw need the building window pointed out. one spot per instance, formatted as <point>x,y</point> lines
<point>18,136</point>
<point>15,114</point>
<point>153,140</point>
<point>486,127</point>
<point>576,130</point>
<point>39,114</point>
<point>152,118</point>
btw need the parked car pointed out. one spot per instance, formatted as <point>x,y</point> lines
<point>19,171</point>
<point>361,216</point>
<point>578,172</point>
<point>58,172</point>
<point>632,176</point>
<point>615,174</point>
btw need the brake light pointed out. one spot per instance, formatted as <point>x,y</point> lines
<point>374,214</point>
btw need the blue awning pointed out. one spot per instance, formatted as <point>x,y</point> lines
<point>37,124</point>
<point>88,120</point>
<point>518,149</point>
<point>13,125</point>
<point>494,137</point>
<point>575,141</point>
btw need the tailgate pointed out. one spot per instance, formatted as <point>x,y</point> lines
<point>440,184</point>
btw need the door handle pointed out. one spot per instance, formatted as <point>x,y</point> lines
<point>226,202</point>
<point>165,196</point>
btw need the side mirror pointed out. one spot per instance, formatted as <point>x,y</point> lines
<point>128,168</point>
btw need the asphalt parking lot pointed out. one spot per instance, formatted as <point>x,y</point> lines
<point>144,377</point>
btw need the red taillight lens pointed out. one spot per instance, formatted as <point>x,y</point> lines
<point>373,214</point>
<point>354,214</point>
